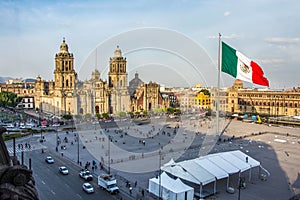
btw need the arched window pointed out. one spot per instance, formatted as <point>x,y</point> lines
<point>67,83</point>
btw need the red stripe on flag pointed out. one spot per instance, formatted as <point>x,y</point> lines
<point>258,75</point>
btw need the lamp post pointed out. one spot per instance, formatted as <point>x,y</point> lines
<point>56,148</point>
<point>159,189</point>
<point>78,148</point>
<point>109,138</point>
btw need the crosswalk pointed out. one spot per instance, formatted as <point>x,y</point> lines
<point>19,150</point>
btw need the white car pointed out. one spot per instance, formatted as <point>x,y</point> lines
<point>63,170</point>
<point>86,175</point>
<point>87,187</point>
<point>49,160</point>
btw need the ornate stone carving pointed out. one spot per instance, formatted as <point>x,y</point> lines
<point>16,181</point>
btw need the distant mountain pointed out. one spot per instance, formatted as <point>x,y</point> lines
<point>3,79</point>
<point>27,80</point>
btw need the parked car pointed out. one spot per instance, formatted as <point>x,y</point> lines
<point>49,160</point>
<point>86,175</point>
<point>88,188</point>
<point>63,170</point>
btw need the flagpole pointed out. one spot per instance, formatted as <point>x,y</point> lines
<point>218,90</point>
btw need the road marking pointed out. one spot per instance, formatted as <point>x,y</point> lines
<point>43,182</point>
<point>53,192</point>
<point>67,185</point>
<point>79,196</point>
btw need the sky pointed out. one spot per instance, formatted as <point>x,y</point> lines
<point>174,43</point>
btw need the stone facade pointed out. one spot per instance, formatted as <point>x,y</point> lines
<point>148,97</point>
<point>68,95</point>
<point>272,103</point>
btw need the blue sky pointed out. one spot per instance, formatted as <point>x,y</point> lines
<point>266,31</point>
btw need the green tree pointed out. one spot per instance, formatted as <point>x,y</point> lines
<point>170,110</point>
<point>205,91</point>
<point>122,114</point>
<point>131,114</point>
<point>67,116</point>
<point>9,99</point>
<point>98,115</point>
<point>105,115</point>
<point>145,112</point>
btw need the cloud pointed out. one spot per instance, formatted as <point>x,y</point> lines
<point>227,13</point>
<point>272,61</point>
<point>282,40</point>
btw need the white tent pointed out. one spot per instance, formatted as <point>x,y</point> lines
<point>213,167</point>
<point>170,189</point>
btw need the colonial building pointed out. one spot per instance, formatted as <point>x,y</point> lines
<point>272,103</point>
<point>68,95</point>
<point>148,97</point>
<point>57,96</point>
<point>118,96</point>
<point>22,88</point>
<point>202,100</point>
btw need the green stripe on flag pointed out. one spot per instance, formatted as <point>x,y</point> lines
<point>229,60</point>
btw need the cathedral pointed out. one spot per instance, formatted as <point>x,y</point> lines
<point>68,95</point>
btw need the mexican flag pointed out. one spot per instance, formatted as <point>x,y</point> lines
<point>239,66</point>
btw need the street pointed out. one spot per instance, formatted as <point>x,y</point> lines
<point>50,183</point>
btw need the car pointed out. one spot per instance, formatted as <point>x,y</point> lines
<point>63,170</point>
<point>88,188</point>
<point>49,160</point>
<point>86,175</point>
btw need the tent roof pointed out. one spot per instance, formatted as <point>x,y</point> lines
<point>206,169</point>
<point>176,186</point>
<point>197,171</point>
<point>225,165</point>
<point>171,162</point>
<point>252,162</point>
<point>217,171</point>
<point>178,171</point>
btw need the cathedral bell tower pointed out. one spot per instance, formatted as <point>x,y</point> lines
<point>64,79</point>
<point>117,81</point>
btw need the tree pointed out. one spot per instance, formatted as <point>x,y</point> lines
<point>98,115</point>
<point>67,117</point>
<point>145,112</point>
<point>9,99</point>
<point>105,115</point>
<point>170,110</point>
<point>131,114</point>
<point>205,91</point>
<point>122,114</point>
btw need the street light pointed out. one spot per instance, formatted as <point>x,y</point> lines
<point>56,149</point>
<point>109,154</point>
<point>78,148</point>
<point>159,191</point>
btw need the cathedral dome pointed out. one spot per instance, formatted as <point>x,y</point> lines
<point>63,47</point>
<point>118,53</point>
<point>238,81</point>
<point>238,84</point>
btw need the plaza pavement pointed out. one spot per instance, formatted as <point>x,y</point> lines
<point>277,148</point>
